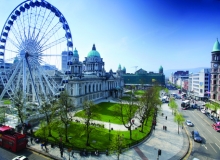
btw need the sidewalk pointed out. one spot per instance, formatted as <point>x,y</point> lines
<point>173,145</point>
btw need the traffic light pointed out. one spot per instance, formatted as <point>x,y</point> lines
<point>159,152</point>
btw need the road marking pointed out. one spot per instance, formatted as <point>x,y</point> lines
<point>213,148</point>
<point>216,138</point>
<point>204,146</point>
<point>217,145</point>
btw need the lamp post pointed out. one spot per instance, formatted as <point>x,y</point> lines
<point>109,130</point>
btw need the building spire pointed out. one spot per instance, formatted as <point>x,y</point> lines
<point>93,47</point>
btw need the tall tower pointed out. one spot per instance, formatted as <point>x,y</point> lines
<point>215,72</point>
<point>161,70</point>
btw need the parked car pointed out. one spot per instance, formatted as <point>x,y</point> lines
<point>210,116</point>
<point>20,158</point>
<point>189,123</point>
<point>216,126</point>
<point>196,136</point>
<point>203,111</point>
<point>215,119</point>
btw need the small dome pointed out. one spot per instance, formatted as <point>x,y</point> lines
<point>124,69</point>
<point>93,52</point>
<point>75,53</point>
<point>119,66</point>
<point>161,67</point>
<point>216,46</point>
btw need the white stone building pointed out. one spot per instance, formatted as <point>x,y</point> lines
<point>199,84</point>
<point>88,80</point>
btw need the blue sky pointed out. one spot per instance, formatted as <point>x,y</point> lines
<point>176,34</point>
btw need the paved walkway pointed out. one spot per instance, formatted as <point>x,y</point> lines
<point>173,145</point>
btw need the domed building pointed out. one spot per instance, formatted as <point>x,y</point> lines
<point>88,80</point>
<point>142,79</point>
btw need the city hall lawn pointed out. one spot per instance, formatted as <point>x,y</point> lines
<point>99,137</point>
<point>106,112</point>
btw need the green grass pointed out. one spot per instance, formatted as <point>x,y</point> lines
<point>106,112</point>
<point>139,92</point>
<point>99,138</point>
<point>7,101</point>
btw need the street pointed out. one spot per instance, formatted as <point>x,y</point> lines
<point>210,146</point>
<point>7,155</point>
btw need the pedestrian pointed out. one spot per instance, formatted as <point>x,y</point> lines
<point>72,153</point>
<point>61,153</point>
<point>154,127</point>
<point>166,117</point>
<point>163,127</point>
<point>42,144</point>
<point>31,140</point>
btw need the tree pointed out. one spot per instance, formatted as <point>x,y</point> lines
<point>65,104</point>
<point>19,104</point>
<point>172,104</point>
<point>179,119</point>
<point>117,144</point>
<point>3,110</point>
<point>166,91</point>
<point>89,108</point>
<point>125,112</point>
<point>48,109</point>
<point>213,106</point>
<point>148,105</point>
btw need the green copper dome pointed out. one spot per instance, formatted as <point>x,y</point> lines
<point>119,66</point>
<point>161,67</point>
<point>75,53</point>
<point>124,69</point>
<point>93,52</point>
<point>216,46</point>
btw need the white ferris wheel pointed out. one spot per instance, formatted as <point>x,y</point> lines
<point>34,36</point>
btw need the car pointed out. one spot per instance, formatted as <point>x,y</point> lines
<point>210,116</point>
<point>203,111</point>
<point>215,119</point>
<point>189,123</point>
<point>20,158</point>
<point>196,136</point>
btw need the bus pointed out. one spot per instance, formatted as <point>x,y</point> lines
<point>11,140</point>
<point>185,104</point>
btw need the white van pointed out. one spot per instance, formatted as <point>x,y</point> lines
<point>185,104</point>
<point>165,99</point>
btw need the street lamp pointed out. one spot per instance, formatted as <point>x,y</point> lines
<point>109,129</point>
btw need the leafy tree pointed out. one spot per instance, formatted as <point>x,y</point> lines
<point>3,110</point>
<point>179,119</point>
<point>48,109</point>
<point>89,108</point>
<point>43,131</point>
<point>213,106</point>
<point>173,106</point>
<point>19,104</point>
<point>125,112</point>
<point>117,144</point>
<point>166,91</point>
<point>65,104</point>
<point>148,105</point>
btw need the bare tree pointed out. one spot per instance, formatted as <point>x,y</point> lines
<point>65,104</point>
